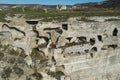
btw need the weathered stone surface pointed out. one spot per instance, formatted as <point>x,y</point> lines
<point>71,50</point>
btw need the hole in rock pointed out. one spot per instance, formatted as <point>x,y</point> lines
<point>115,31</point>
<point>65,26</point>
<point>99,37</point>
<point>92,41</point>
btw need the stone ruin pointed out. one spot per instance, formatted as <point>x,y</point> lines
<point>81,50</point>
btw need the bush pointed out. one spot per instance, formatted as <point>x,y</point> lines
<point>13,52</point>
<point>56,74</point>
<point>36,54</point>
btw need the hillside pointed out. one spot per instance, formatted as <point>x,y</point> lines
<point>111,4</point>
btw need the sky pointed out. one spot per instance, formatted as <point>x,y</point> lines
<point>50,2</point>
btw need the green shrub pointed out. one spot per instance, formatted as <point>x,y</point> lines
<point>36,54</point>
<point>56,74</point>
<point>13,52</point>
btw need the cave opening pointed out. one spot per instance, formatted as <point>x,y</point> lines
<point>114,46</point>
<point>100,38</point>
<point>92,41</point>
<point>94,49</point>
<point>69,38</point>
<point>65,26</point>
<point>115,32</point>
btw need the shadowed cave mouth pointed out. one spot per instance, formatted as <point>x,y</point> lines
<point>65,26</point>
<point>33,22</point>
<point>100,37</point>
<point>69,38</point>
<point>114,46</point>
<point>115,31</point>
<point>92,41</point>
<point>51,28</point>
<point>94,49</point>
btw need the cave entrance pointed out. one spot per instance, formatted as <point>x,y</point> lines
<point>115,31</point>
<point>69,38</point>
<point>65,26</point>
<point>99,37</point>
<point>92,41</point>
<point>114,46</point>
<point>94,49</point>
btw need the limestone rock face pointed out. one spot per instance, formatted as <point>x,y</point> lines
<point>29,61</point>
<point>71,50</point>
<point>41,41</point>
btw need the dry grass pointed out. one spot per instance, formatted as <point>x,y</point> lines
<point>58,15</point>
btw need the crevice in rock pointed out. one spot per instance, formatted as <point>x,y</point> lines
<point>14,28</point>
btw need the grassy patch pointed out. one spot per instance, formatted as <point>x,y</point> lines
<point>85,19</point>
<point>56,74</point>
<point>36,54</point>
<point>13,52</point>
<point>112,19</point>
<point>51,15</point>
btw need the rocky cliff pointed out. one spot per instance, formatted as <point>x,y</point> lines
<point>78,49</point>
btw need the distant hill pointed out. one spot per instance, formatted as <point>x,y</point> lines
<point>103,4</point>
<point>9,6</point>
<point>111,4</point>
<point>90,4</point>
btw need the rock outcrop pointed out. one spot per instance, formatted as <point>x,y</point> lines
<point>71,50</point>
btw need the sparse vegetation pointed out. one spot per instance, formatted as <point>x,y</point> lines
<point>36,54</point>
<point>85,19</point>
<point>60,16</point>
<point>6,47</point>
<point>1,55</point>
<point>56,74</point>
<point>13,52</point>
<point>37,75</point>
<point>44,62</point>
<point>112,20</point>
<point>6,73</point>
